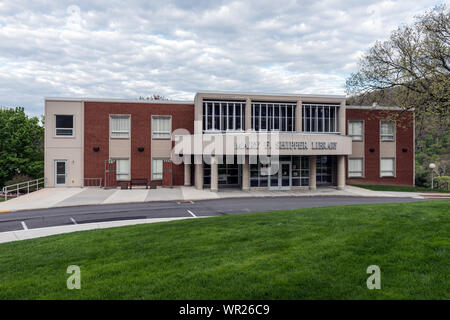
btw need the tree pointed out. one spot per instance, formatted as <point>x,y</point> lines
<point>153,97</point>
<point>21,145</point>
<point>415,61</point>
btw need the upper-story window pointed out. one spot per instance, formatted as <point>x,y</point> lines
<point>161,127</point>
<point>64,125</point>
<point>320,117</point>
<point>273,116</point>
<point>387,130</point>
<point>119,126</point>
<point>223,115</point>
<point>355,129</point>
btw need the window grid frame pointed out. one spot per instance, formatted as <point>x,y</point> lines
<point>313,119</point>
<point>257,121</point>
<point>220,104</point>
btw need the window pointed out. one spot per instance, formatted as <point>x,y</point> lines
<point>64,125</point>
<point>318,117</point>
<point>387,130</point>
<point>122,169</point>
<point>355,130</point>
<point>161,127</point>
<point>273,116</point>
<point>157,169</point>
<point>387,167</point>
<point>355,167</point>
<point>223,115</point>
<point>119,126</point>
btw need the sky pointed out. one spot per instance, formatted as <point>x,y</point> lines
<point>133,48</point>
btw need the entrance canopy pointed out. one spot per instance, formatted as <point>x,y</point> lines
<point>271,143</point>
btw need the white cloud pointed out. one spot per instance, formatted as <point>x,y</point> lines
<point>125,49</point>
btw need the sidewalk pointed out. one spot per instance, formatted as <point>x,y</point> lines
<point>62,197</point>
<point>18,235</point>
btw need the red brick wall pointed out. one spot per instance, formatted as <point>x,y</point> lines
<point>404,139</point>
<point>96,133</point>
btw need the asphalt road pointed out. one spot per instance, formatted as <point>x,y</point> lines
<point>40,218</point>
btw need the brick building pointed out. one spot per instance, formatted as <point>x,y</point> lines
<point>223,140</point>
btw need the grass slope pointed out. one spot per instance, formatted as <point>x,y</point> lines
<point>319,253</point>
<point>400,188</point>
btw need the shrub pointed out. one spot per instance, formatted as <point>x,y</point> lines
<point>442,182</point>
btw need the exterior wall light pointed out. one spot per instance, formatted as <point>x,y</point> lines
<point>140,149</point>
<point>96,149</point>
<point>372,149</point>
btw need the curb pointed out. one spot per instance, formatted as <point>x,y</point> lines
<point>19,235</point>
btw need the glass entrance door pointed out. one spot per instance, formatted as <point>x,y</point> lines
<point>60,172</point>
<point>285,175</point>
<point>282,179</point>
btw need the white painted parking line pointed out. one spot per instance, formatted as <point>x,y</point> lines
<point>24,226</point>
<point>192,214</point>
<point>73,220</point>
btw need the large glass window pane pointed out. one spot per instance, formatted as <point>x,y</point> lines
<point>230,116</point>
<point>263,117</point>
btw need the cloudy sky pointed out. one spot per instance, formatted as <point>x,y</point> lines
<point>127,49</point>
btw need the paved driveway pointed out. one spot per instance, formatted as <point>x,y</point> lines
<point>63,197</point>
<point>31,219</point>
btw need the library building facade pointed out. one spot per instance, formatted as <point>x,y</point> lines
<point>227,140</point>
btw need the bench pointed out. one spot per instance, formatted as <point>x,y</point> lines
<point>139,181</point>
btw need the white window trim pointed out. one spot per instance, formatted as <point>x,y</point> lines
<point>110,130</point>
<point>162,168</point>
<point>162,132</point>
<point>382,137</point>
<point>362,130</point>
<point>362,168</point>
<point>393,169</point>
<point>73,126</point>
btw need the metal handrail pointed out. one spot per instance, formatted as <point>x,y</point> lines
<point>22,185</point>
<point>92,182</point>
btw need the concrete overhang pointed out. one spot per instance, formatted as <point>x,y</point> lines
<point>283,143</point>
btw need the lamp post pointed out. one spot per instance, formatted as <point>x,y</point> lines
<point>432,166</point>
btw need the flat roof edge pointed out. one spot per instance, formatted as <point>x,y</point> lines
<point>297,95</point>
<point>379,108</point>
<point>119,100</point>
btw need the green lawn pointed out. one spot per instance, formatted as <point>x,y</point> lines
<point>400,188</point>
<point>319,253</point>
